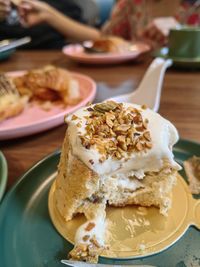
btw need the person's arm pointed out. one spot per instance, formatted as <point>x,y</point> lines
<point>70,28</point>
<point>35,12</point>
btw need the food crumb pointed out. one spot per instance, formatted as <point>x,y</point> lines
<point>141,247</point>
<point>90,226</point>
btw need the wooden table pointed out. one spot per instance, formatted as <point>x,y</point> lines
<point>180,102</point>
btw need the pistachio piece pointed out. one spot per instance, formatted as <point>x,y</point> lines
<point>106,106</point>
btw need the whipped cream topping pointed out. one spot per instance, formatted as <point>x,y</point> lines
<point>163,136</point>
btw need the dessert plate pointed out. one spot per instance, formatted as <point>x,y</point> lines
<point>76,52</point>
<point>3,175</point>
<point>29,238</point>
<point>178,62</point>
<point>133,232</point>
<point>34,119</point>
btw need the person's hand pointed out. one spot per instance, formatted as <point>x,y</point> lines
<point>157,31</point>
<point>33,12</point>
<point>4,9</point>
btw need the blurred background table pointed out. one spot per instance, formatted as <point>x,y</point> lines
<point>180,102</point>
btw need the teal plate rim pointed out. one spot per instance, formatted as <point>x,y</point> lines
<point>48,164</point>
<point>6,54</point>
<point>3,174</point>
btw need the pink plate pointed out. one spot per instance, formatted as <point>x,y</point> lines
<point>34,119</point>
<point>76,52</point>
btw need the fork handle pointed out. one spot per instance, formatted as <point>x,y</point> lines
<point>14,44</point>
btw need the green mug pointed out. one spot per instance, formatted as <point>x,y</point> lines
<point>184,43</point>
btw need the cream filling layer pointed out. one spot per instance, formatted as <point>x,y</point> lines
<point>97,232</point>
<point>120,181</point>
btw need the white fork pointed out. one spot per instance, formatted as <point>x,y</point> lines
<point>149,90</point>
<point>86,264</point>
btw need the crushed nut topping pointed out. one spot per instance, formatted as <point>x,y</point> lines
<point>106,106</point>
<point>90,109</point>
<point>94,241</point>
<point>116,131</point>
<point>91,161</point>
<point>195,161</point>
<point>86,237</point>
<point>74,117</point>
<point>89,103</point>
<point>87,252</point>
<point>78,125</point>
<point>90,226</point>
<point>144,106</point>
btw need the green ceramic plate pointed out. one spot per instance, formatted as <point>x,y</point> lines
<point>178,62</point>
<point>3,174</point>
<point>28,238</point>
